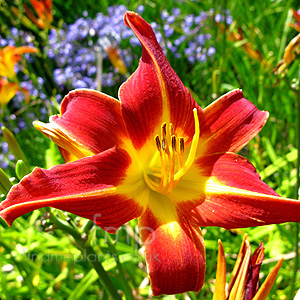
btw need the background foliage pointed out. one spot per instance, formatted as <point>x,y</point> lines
<point>39,262</point>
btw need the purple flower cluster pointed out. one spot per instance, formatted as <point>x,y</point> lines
<point>74,47</point>
<point>188,36</point>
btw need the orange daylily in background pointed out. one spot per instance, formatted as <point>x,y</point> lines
<point>244,281</point>
<point>290,52</point>
<point>9,56</point>
<point>296,25</point>
<point>246,46</point>
<point>8,90</point>
<point>237,35</point>
<point>158,156</point>
<point>115,58</point>
<point>43,9</point>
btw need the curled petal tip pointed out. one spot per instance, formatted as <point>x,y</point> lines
<point>128,15</point>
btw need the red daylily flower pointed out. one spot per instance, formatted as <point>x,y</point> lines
<point>9,56</point>
<point>244,281</point>
<point>43,9</point>
<point>157,156</point>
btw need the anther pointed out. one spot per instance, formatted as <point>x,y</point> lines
<point>181,144</point>
<point>164,130</point>
<point>173,137</point>
<point>165,179</point>
<point>157,142</point>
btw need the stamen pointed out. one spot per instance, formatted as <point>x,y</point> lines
<point>163,130</point>
<point>164,171</point>
<point>181,145</point>
<point>152,185</point>
<point>164,179</point>
<point>173,139</point>
<point>171,129</point>
<point>157,142</point>
<point>164,144</point>
<point>171,165</point>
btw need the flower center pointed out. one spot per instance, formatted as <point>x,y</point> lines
<point>172,167</point>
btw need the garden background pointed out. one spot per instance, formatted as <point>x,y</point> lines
<point>214,47</point>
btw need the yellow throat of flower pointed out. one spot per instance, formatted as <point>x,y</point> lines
<point>172,168</point>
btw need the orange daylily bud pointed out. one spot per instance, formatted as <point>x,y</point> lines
<point>289,54</point>
<point>9,56</point>
<point>245,275</point>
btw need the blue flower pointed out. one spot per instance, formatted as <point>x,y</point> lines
<point>4,147</point>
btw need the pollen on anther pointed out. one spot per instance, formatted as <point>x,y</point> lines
<point>163,129</point>
<point>181,144</point>
<point>173,142</point>
<point>157,142</point>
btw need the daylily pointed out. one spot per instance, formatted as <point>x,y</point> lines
<point>289,54</point>
<point>158,156</point>
<point>115,58</point>
<point>237,35</point>
<point>43,9</point>
<point>244,281</point>
<point>7,91</point>
<point>296,25</point>
<point>108,43</point>
<point>9,56</point>
<point>246,46</point>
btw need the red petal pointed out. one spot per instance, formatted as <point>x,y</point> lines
<point>174,249</point>
<point>154,94</point>
<point>92,119</point>
<point>237,198</point>
<point>229,124</point>
<point>90,187</point>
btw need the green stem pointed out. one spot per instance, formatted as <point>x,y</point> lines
<point>285,30</point>
<point>89,253</point>
<point>113,250</point>
<point>87,226</point>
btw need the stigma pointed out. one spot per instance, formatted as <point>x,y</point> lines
<point>171,150</point>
